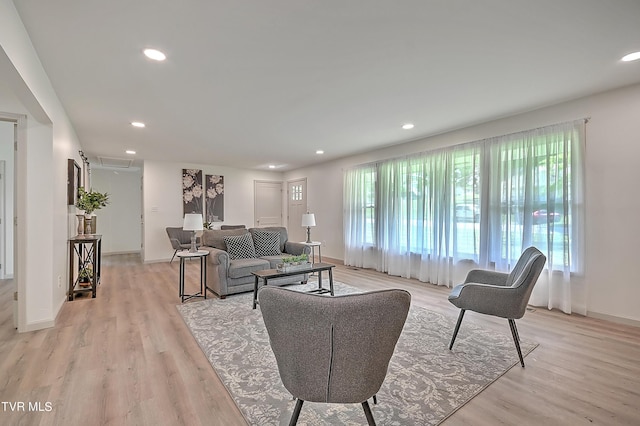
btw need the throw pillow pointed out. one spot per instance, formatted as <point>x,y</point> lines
<point>267,243</point>
<point>240,247</point>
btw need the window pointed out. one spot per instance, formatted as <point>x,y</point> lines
<point>483,202</point>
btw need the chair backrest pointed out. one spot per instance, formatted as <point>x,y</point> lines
<point>524,276</point>
<point>232,227</point>
<point>178,236</point>
<point>333,349</point>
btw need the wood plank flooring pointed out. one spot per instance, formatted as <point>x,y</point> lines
<point>126,358</point>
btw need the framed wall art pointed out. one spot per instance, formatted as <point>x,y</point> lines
<point>74,180</point>
<point>214,207</point>
<point>191,191</point>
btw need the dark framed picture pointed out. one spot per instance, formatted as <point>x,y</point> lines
<point>192,191</point>
<point>214,204</point>
<point>74,180</point>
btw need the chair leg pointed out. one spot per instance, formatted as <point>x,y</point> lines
<point>174,255</point>
<point>375,399</point>
<point>516,339</point>
<point>455,332</point>
<point>296,413</point>
<point>368,414</point>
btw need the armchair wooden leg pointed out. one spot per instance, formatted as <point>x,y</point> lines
<point>368,414</point>
<point>455,332</point>
<point>516,339</point>
<point>296,413</point>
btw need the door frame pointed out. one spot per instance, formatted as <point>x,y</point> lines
<point>293,222</point>
<point>19,140</point>
<point>255,199</point>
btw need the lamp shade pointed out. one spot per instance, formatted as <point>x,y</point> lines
<point>308,219</point>
<point>193,222</point>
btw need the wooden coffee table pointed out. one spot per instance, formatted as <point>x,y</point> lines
<point>268,274</point>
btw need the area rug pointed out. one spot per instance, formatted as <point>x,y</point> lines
<point>425,384</point>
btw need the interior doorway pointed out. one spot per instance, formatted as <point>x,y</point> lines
<point>296,207</point>
<point>8,140</point>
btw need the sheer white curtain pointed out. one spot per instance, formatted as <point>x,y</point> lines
<point>433,216</point>
<point>359,216</point>
<point>536,199</point>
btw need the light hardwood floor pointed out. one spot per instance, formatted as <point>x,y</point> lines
<point>127,358</point>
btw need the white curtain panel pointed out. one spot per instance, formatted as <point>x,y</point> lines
<point>436,215</point>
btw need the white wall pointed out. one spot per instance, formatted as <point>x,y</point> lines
<point>612,197</point>
<point>120,221</point>
<point>49,140</point>
<point>162,205</point>
<point>6,155</point>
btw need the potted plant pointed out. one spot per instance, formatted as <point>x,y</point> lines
<point>84,276</point>
<point>90,201</point>
<point>291,263</point>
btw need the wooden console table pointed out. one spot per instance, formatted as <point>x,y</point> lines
<point>86,251</point>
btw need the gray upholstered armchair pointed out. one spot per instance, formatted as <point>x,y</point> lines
<point>180,240</point>
<point>500,294</point>
<point>333,349</point>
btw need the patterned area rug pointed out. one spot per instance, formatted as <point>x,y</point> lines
<point>425,383</point>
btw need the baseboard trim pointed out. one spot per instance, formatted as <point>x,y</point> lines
<point>38,325</point>
<point>120,252</point>
<point>613,318</point>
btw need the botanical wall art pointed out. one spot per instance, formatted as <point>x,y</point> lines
<point>192,191</point>
<point>215,199</point>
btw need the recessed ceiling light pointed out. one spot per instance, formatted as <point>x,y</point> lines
<point>407,126</point>
<point>631,57</point>
<point>137,124</point>
<point>271,166</point>
<point>129,151</point>
<point>319,152</point>
<point>154,54</point>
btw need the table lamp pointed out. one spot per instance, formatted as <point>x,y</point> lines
<point>308,220</point>
<point>193,222</point>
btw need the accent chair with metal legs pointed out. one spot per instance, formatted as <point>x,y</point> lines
<point>333,349</point>
<point>498,293</point>
<point>180,240</point>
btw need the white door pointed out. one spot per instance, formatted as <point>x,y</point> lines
<point>296,207</point>
<point>268,203</point>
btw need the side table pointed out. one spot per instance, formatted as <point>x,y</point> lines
<point>202,255</point>
<point>313,245</point>
<point>86,250</point>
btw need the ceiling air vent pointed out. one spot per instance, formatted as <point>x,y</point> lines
<point>118,163</point>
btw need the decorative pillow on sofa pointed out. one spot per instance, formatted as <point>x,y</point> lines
<point>240,247</point>
<point>267,243</point>
<point>215,237</point>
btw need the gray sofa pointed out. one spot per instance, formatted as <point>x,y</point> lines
<point>226,275</point>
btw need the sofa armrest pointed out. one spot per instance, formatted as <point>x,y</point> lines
<point>296,249</point>
<point>217,267</point>
<point>217,256</point>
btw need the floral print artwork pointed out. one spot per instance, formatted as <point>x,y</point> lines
<point>192,191</point>
<point>214,198</point>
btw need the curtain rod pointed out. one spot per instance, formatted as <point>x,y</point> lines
<point>585,120</point>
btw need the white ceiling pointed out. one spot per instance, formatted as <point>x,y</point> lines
<point>252,83</point>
